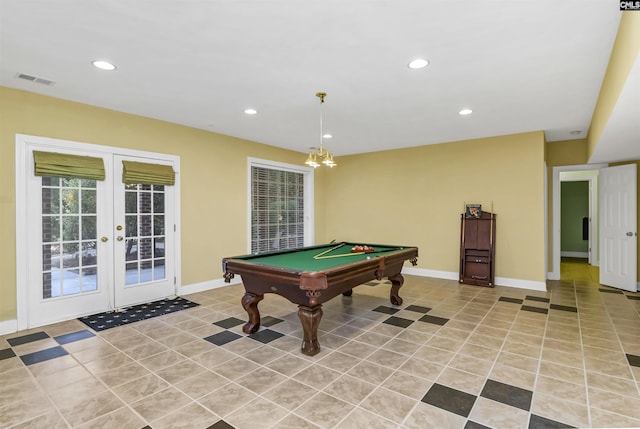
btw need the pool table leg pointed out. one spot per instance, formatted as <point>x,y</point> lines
<point>310,319</point>
<point>396,283</point>
<point>250,304</point>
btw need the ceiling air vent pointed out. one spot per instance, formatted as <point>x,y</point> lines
<point>35,79</point>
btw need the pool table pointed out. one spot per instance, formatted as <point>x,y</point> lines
<point>310,276</point>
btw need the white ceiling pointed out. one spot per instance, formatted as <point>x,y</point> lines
<point>521,65</point>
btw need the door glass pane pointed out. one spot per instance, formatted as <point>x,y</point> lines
<point>69,233</point>
<point>145,232</point>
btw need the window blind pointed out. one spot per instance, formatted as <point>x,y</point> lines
<point>65,165</point>
<point>277,209</point>
<point>152,174</point>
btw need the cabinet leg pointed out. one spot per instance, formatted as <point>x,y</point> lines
<point>396,283</point>
<point>310,319</point>
<point>250,304</point>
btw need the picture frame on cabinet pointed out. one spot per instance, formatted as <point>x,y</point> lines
<point>473,211</point>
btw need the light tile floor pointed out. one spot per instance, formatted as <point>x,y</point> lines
<point>451,356</point>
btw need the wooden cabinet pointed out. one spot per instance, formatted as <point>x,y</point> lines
<point>477,249</point>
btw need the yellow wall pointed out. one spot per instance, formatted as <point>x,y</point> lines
<point>213,177</point>
<point>415,196</point>
<point>409,196</point>
<point>625,51</point>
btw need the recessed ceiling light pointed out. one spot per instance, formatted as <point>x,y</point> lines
<point>418,63</point>
<point>465,112</point>
<point>327,136</point>
<point>575,133</point>
<point>251,111</point>
<point>104,65</point>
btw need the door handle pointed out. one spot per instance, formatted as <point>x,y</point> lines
<point>119,238</point>
<point>629,234</point>
<point>104,239</point>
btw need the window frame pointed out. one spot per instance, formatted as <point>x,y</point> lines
<point>308,198</point>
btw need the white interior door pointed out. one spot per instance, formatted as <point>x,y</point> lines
<point>144,245</point>
<point>618,221</point>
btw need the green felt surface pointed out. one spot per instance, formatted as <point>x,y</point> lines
<point>303,259</point>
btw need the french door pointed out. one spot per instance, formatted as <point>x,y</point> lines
<point>143,231</point>
<point>93,245</point>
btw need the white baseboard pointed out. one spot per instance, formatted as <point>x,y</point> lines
<point>521,284</point>
<point>204,286</point>
<point>423,272</point>
<point>500,281</point>
<point>8,326</point>
<point>567,254</point>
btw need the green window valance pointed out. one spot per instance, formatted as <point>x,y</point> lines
<point>151,174</point>
<point>65,165</point>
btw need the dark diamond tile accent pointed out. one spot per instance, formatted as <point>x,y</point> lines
<point>611,291</point>
<point>221,424</point>
<point>147,427</point>
<point>386,310</point>
<point>433,319</point>
<point>473,425</point>
<point>269,321</point>
<point>27,338</point>
<point>507,394</point>
<point>449,399</point>
<point>266,336</point>
<point>563,308</point>
<point>507,299</point>
<point>222,338</point>
<point>43,355</point>
<point>537,422</point>
<point>229,323</point>
<point>398,321</point>
<point>534,309</point>
<point>634,297</point>
<point>633,360</point>
<point>6,354</point>
<point>537,298</point>
<point>418,309</point>
<point>74,336</point>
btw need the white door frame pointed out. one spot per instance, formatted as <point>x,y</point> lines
<point>23,146</point>
<point>554,273</point>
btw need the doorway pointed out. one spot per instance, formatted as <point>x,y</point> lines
<point>574,173</point>
<point>92,243</point>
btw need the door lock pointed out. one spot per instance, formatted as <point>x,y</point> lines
<point>119,238</point>
<point>119,227</point>
<point>104,239</point>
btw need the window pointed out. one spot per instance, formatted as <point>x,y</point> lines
<point>279,207</point>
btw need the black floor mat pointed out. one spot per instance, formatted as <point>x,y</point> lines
<point>111,319</point>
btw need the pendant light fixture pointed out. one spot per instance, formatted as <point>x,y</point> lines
<point>319,155</point>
